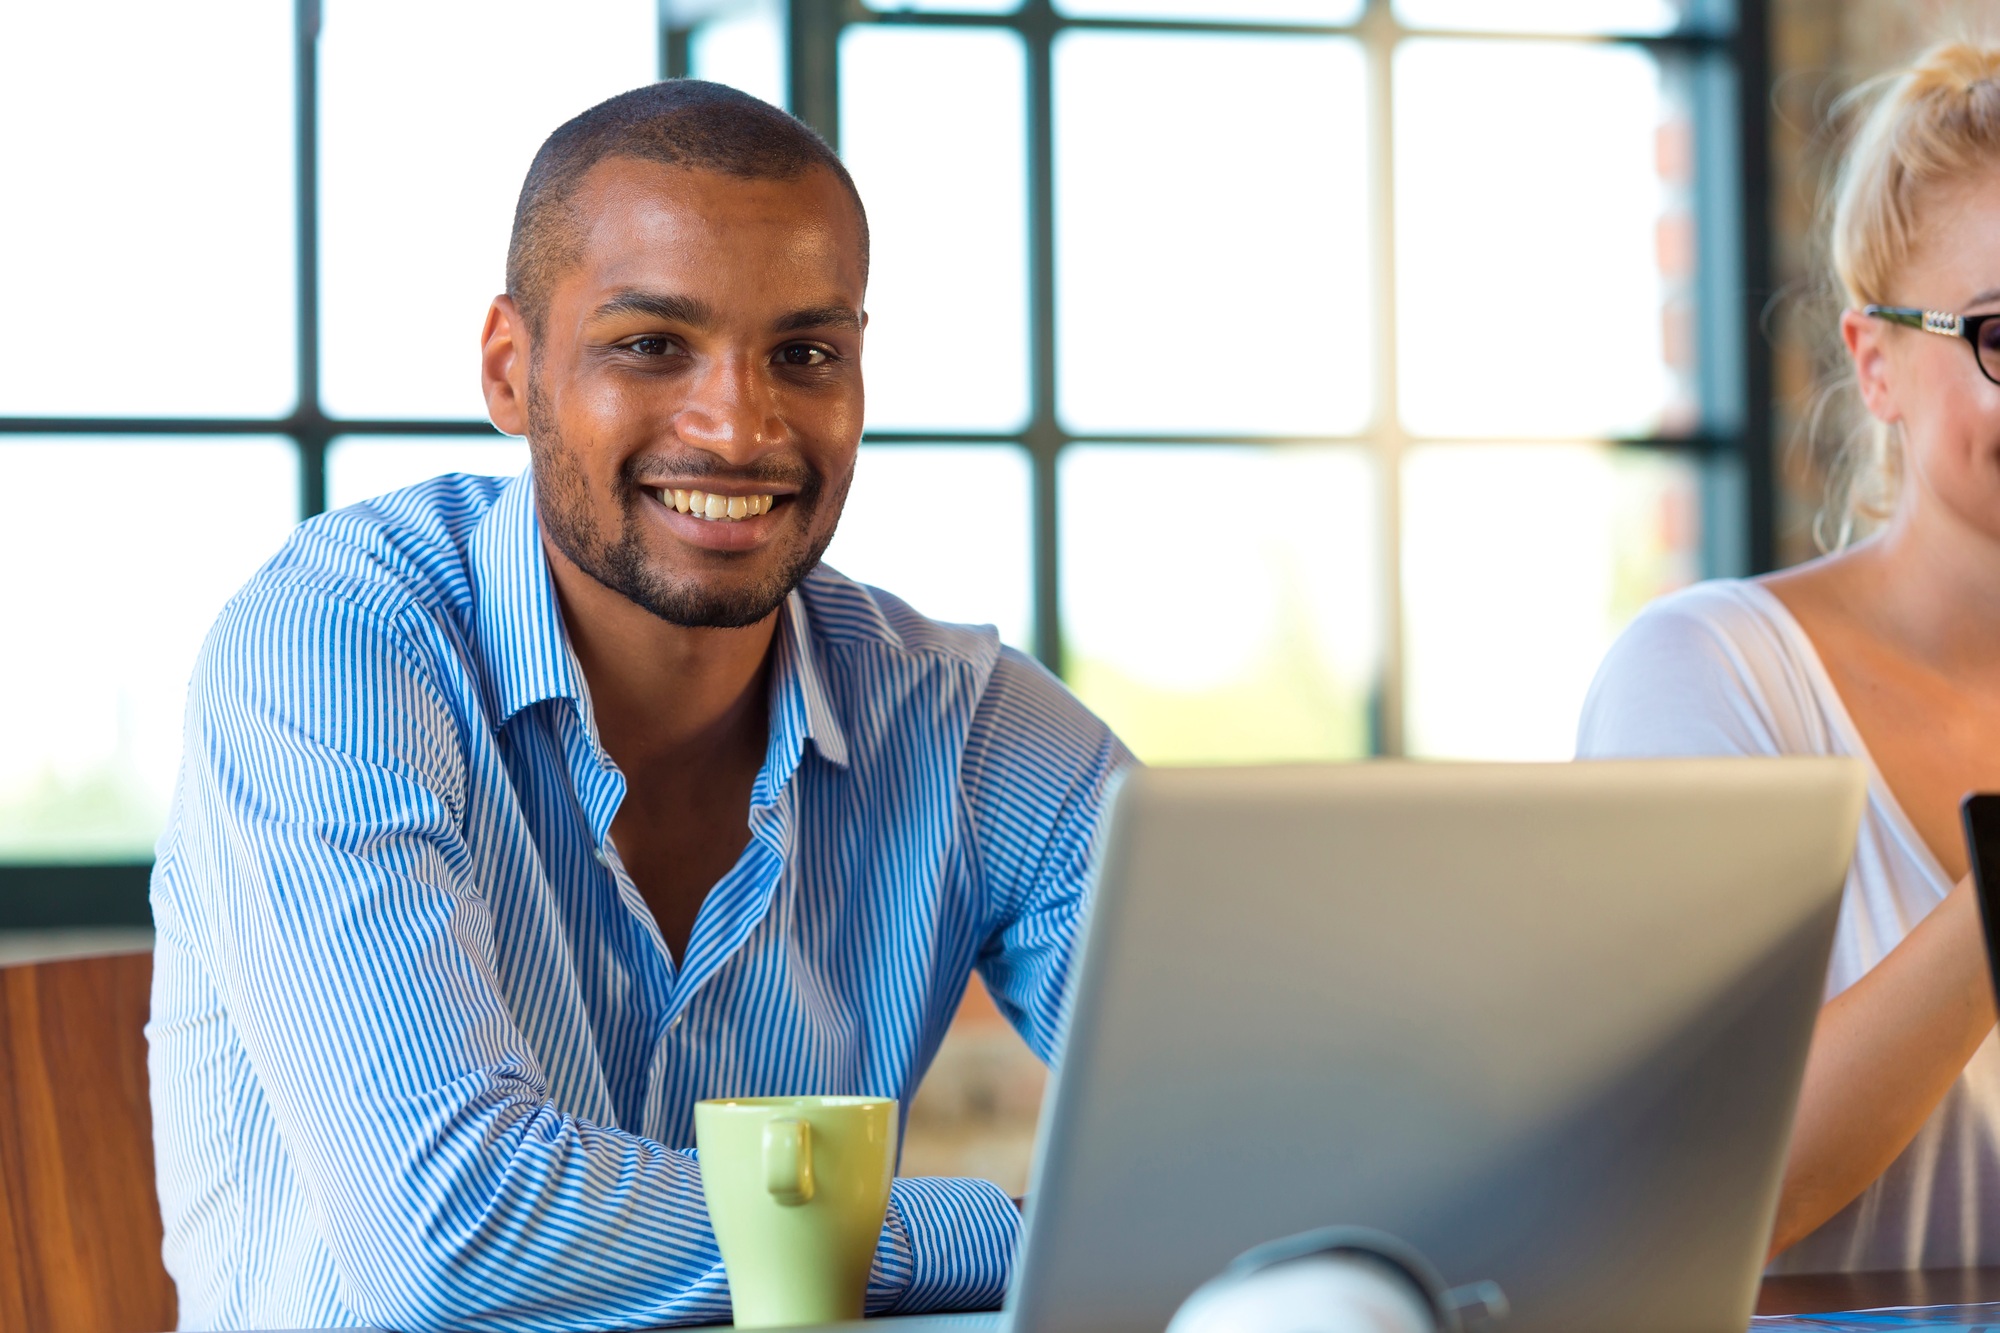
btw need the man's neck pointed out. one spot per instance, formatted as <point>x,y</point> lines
<point>663,693</point>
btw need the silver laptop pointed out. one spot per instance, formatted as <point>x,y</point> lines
<point>1546,1023</point>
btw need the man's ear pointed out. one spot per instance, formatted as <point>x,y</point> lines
<point>1866,347</point>
<point>503,366</point>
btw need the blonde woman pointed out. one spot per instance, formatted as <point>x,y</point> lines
<point>1887,650</point>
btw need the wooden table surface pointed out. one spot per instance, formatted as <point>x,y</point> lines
<point>1817,1293</point>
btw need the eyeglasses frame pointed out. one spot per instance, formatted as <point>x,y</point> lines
<point>1940,321</point>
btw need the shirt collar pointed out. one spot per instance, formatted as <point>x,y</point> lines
<point>801,705</point>
<point>525,655</point>
<point>523,648</point>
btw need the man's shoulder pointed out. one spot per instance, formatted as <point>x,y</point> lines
<point>358,586</point>
<point>848,615</point>
<point>409,549</point>
<point>1005,697</point>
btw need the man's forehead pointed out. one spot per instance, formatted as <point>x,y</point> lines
<point>623,194</point>
<point>637,223</point>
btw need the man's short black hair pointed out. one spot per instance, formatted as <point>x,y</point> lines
<point>682,123</point>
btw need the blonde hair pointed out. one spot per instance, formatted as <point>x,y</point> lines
<point>1924,127</point>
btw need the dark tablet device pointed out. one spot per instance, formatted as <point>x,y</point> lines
<point>1982,845</point>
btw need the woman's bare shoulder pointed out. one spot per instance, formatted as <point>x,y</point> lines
<point>1819,587</point>
<point>1823,595</point>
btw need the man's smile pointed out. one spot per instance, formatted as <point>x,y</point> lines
<point>715,506</point>
<point>720,522</point>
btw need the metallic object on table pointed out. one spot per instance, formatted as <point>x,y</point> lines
<point>1335,1280</point>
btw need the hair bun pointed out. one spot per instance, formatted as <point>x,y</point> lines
<point>1961,65</point>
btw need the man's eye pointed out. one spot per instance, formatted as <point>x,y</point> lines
<point>803,354</point>
<point>651,346</point>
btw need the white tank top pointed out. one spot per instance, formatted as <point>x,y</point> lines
<point>1722,668</point>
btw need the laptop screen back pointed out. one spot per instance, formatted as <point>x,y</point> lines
<point>1546,1023</point>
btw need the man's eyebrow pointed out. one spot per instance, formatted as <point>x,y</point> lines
<point>821,317</point>
<point>669,306</point>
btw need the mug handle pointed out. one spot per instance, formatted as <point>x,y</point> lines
<point>788,1162</point>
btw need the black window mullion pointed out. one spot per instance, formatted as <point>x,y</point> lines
<point>1752,47</point>
<point>675,54</point>
<point>308,426</point>
<point>812,64</point>
<point>1044,437</point>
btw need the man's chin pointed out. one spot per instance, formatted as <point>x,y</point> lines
<point>712,611</point>
<point>743,593</point>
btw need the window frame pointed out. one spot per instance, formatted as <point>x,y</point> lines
<point>1725,48</point>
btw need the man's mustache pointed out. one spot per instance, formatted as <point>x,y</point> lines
<point>646,470</point>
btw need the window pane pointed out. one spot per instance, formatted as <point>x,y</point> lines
<point>945,528</point>
<point>1529,241</point>
<point>1521,563</point>
<point>361,467</point>
<point>1205,637</point>
<point>147,151</point>
<point>1214,275</point>
<point>422,150</point>
<point>744,47</point>
<point>1580,16</point>
<point>1250,11</point>
<point>127,579</point>
<point>931,125</point>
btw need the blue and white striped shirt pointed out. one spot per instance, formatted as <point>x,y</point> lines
<point>419,1056</point>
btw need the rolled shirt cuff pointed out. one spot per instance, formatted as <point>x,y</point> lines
<point>947,1244</point>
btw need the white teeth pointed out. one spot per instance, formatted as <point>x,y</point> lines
<point>721,508</point>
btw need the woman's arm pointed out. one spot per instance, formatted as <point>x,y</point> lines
<point>1884,1053</point>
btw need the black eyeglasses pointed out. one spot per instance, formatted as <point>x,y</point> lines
<point>1982,331</point>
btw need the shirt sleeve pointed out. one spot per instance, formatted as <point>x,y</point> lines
<point>317,864</point>
<point>1039,772</point>
<point>947,1244</point>
<point>1693,675</point>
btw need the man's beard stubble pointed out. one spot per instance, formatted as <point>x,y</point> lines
<point>623,566</point>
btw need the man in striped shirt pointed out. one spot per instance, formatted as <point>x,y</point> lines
<point>515,817</point>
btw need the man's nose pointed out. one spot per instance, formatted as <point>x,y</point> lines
<point>729,410</point>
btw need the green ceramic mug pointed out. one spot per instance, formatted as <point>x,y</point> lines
<point>797,1189</point>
